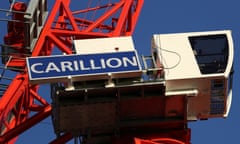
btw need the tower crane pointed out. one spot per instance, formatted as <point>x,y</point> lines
<point>101,90</point>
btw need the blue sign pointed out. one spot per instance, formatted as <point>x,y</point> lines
<point>78,65</point>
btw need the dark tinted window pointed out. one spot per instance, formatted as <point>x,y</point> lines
<point>211,52</point>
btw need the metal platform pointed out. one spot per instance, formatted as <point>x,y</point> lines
<point>107,111</point>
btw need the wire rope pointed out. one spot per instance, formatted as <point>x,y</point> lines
<point>162,58</point>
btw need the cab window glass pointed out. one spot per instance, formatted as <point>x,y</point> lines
<point>211,52</point>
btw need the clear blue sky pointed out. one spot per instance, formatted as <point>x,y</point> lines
<point>174,16</point>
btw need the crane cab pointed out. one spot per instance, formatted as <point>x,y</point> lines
<point>198,64</point>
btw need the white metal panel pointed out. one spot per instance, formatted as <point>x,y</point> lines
<point>177,56</point>
<point>104,45</point>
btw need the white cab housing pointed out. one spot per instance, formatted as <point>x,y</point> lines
<point>198,64</point>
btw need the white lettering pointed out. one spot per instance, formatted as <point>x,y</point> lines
<point>52,67</point>
<point>127,61</point>
<point>66,65</point>
<point>92,62</point>
<point>110,63</point>
<point>88,65</point>
<point>103,63</point>
<point>33,68</point>
<point>82,67</point>
<point>75,65</point>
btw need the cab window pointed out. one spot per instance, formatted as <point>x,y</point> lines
<point>211,52</point>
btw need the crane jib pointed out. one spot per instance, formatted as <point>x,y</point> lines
<point>74,65</point>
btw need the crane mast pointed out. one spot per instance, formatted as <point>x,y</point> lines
<point>110,107</point>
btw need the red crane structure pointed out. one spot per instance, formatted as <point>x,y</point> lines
<point>139,113</point>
